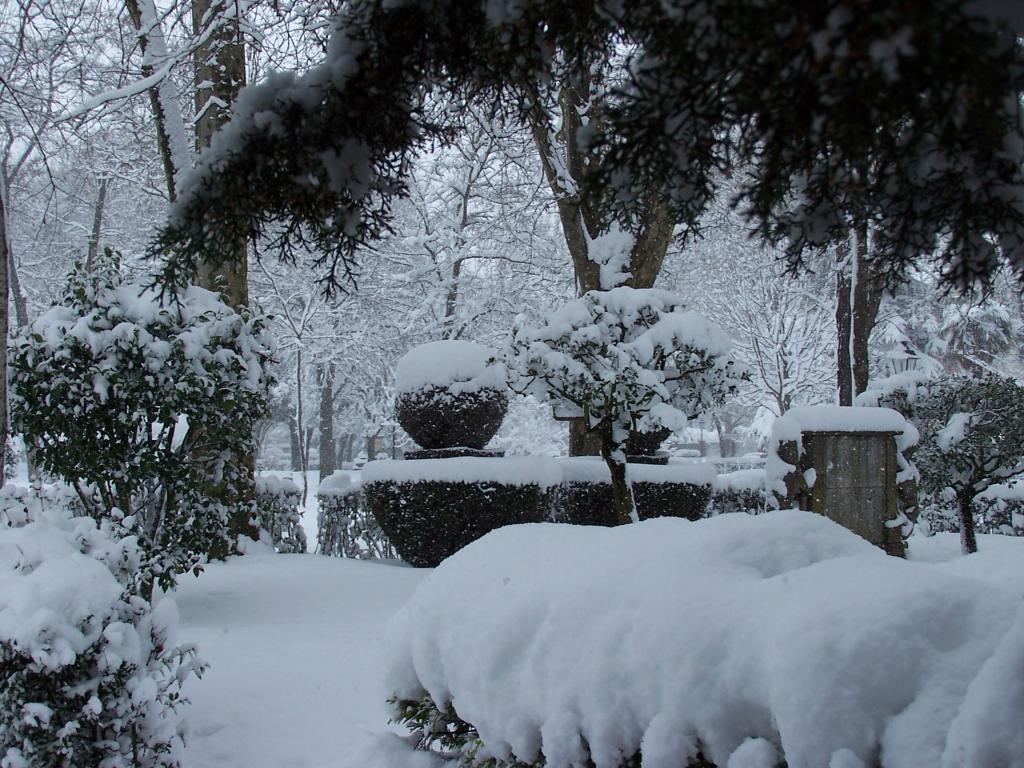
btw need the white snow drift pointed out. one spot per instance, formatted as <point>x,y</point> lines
<point>737,636</point>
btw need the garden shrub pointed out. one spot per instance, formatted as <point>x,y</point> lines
<point>143,403</point>
<point>90,674</point>
<point>346,526</point>
<point>279,513</point>
<point>589,503</point>
<point>438,418</point>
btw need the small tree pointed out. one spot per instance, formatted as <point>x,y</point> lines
<point>138,401</point>
<point>625,360</point>
<point>972,437</point>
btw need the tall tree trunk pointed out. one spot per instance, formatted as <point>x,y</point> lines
<point>328,459</point>
<point>5,248</point>
<point>858,298</point>
<point>219,76</point>
<point>97,224</point>
<point>163,98</point>
<point>965,510</point>
<point>622,491</point>
<point>295,444</point>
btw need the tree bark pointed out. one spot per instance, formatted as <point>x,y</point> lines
<point>163,98</point>
<point>219,76</point>
<point>622,490</point>
<point>4,322</point>
<point>965,510</point>
<point>295,444</point>
<point>328,459</point>
<point>859,296</point>
<point>97,224</point>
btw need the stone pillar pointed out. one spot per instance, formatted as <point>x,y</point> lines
<point>845,466</point>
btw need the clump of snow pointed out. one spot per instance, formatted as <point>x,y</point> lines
<point>341,482</point>
<point>458,366</point>
<point>784,430</point>
<point>273,485</point>
<point>610,251</point>
<point>783,627</point>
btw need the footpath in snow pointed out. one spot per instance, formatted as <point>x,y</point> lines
<point>294,646</point>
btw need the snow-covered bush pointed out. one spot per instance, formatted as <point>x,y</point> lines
<point>140,401</point>
<point>625,360</point>
<point>1000,509</point>
<point>972,438</point>
<point>431,508</point>
<point>584,496</point>
<point>346,526</point>
<point>279,512</point>
<point>706,643</point>
<point>89,671</point>
<point>743,490</point>
<point>449,395</point>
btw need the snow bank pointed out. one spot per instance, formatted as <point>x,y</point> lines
<point>460,366</point>
<point>673,636</point>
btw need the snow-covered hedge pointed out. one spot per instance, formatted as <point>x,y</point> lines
<point>90,674</point>
<point>346,526</point>
<point>743,490</point>
<point>431,508</point>
<point>745,640</point>
<point>584,496</point>
<point>279,512</point>
<point>145,402</point>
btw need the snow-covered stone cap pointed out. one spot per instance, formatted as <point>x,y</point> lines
<point>459,366</point>
<point>845,418</point>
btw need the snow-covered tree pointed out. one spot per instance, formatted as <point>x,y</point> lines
<point>972,437</point>
<point>770,90</point>
<point>623,360</point>
<point>138,400</point>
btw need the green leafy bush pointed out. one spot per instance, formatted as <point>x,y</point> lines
<point>142,402</point>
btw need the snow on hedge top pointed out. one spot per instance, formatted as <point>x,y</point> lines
<point>673,637</point>
<point>341,482</point>
<point>593,469</point>
<point>459,366</point>
<point>510,470</point>
<point>528,470</point>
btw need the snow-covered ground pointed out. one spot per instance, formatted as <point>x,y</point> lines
<point>295,646</point>
<point>293,643</point>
